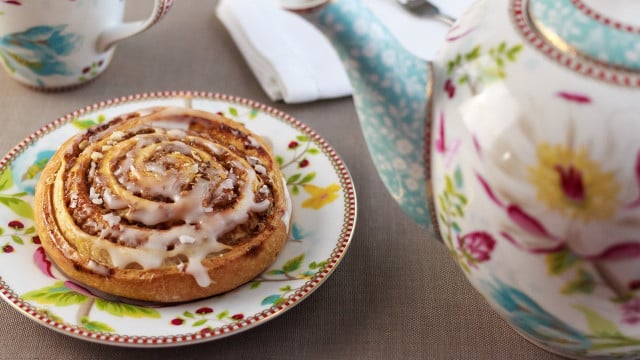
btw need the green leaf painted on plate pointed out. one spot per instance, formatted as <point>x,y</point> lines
<point>17,239</point>
<point>96,325</point>
<point>30,230</point>
<point>50,315</point>
<point>84,124</point>
<point>308,178</point>
<point>293,178</point>
<point>317,265</point>
<point>254,113</point>
<point>255,285</point>
<point>126,310</point>
<point>271,300</point>
<point>233,111</point>
<point>35,169</point>
<point>302,138</point>
<point>293,264</point>
<point>199,322</point>
<point>313,151</point>
<point>18,206</point>
<point>223,314</point>
<point>6,179</point>
<point>188,314</point>
<point>56,294</point>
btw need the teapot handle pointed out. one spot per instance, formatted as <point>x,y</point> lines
<point>110,37</point>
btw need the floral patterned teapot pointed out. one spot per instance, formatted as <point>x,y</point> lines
<point>523,157</point>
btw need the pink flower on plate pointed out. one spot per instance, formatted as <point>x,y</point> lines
<point>477,246</point>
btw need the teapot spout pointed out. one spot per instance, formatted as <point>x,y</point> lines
<point>390,92</point>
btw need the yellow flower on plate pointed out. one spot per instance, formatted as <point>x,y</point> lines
<point>572,183</point>
<point>320,196</point>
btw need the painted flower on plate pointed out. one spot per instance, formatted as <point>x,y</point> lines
<point>320,196</point>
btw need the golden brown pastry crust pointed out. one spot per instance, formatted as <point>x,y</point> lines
<point>131,206</point>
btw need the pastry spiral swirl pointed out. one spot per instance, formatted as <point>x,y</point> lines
<point>164,204</point>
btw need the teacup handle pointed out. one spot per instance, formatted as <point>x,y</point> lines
<point>120,32</point>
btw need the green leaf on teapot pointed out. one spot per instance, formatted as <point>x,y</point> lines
<point>560,261</point>
<point>584,284</point>
<point>598,325</point>
<point>449,185</point>
<point>513,52</point>
<point>457,175</point>
<point>7,63</point>
<point>473,54</point>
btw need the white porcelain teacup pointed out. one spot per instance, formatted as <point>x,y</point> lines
<point>56,44</point>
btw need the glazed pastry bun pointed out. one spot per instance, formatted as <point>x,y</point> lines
<point>163,205</point>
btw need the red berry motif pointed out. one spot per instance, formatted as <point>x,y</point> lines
<point>7,249</point>
<point>293,145</point>
<point>15,224</point>
<point>204,310</point>
<point>450,88</point>
<point>237,317</point>
<point>303,163</point>
<point>177,322</point>
<point>36,240</point>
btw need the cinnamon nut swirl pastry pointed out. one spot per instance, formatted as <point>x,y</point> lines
<point>163,205</point>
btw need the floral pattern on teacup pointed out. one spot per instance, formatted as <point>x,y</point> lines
<point>38,51</point>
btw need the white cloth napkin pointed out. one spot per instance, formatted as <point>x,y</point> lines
<point>293,61</point>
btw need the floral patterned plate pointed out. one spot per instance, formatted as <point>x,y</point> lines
<point>324,204</point>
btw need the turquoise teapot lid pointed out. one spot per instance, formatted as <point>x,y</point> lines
<point>604,36</point>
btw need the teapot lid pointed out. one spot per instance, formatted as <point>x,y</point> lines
<point>599,38</point>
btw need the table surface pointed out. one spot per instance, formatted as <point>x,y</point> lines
<point>396,294</point>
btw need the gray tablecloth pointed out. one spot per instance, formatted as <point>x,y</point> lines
<point>396,295</point>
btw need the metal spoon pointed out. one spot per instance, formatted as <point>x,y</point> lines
<point>426,8</point>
